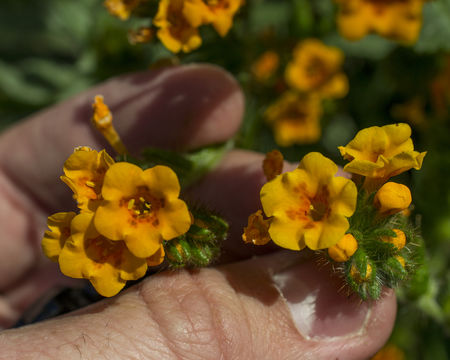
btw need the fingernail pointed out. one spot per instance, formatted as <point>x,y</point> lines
<point>320,308</point>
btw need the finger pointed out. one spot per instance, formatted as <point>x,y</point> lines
<point>272,307</point>
<point>232,190</point>
<point>179,108</point>
<point>182,107</point>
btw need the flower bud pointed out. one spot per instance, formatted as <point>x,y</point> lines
<point>392,198</point>
<point>344,249</point>
<point>399,241</point>
<point>356,275</point>
<point>401,260</point>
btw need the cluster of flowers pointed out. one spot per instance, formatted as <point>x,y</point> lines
<point>399,20</point>
<point>125,214</point>
<point>359,222</point>
<point>178,21</point>
<point>313,74</point>
<point>126,217</point>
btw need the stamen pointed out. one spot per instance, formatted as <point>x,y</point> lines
<point>91,184</point>
<point>130,204</point>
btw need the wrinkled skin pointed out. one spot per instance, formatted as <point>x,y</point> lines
<point>231,311</point>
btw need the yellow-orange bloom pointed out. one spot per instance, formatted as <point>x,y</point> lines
<point>84,171</point>
<point>257,231</point>
<point>107,264</point>
<point>157,258</point>
<point>122,8</point>
<point>398,241</point>
<point>316,68</point>
<point>392,198</point>
<point>175,31</point>
<point>219,13</point>
<point>344,249</point>
<point>55,238</point>
<point>399,20</point>
<point>295,119</point>
<point>389,352</point>
<point>273,164</point>
<point>382,152</point>
<point>265,66</point>
<point>310,205</point>
<point>141,207</point>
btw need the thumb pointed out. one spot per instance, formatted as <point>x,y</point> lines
<point>271,307</point>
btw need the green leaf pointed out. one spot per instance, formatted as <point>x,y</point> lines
<point>436,27</point>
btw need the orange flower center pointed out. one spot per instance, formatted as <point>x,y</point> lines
<point>143,206</point>
<point>311,209</point>
<point>102,250</point>
<point>319,207</point>
<point>316,70</point>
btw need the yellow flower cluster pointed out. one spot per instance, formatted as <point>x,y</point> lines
<point>178,21</point>
<point>313,74</point>
<point>306,207</point>
<point>311,206</point>
<point>125,215</point>
<point>399,20</point>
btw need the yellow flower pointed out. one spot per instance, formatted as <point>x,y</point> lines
<point>295,119</point>
<point>219,13</point>
<point>316,68</point>
<point>107,264</point>
<point>382,152</point>
<point>389,352</point>
<point>392,198</point>
<point>273,164</point>
<point>257,230</point>
<point>344,249</point>
<point>309,206</point>
<point>265,66</point>
<point>399,20</point>
<point>141,207</point>
<point>121,8</point>
<point>55,238</point>
<point>157,258</point>
<point>84,171</point>
<point>175,31</point>
<point>398,241</point>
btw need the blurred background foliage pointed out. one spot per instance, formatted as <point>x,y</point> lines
<point>52,49</point>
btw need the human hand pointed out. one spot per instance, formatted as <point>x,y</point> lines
<point>277,306</point>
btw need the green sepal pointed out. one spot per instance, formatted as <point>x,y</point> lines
<point>395,269</point>
<point>189,167</point>
<point>200,246</point>
<point>374,288</point>
<point>360,261</point>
